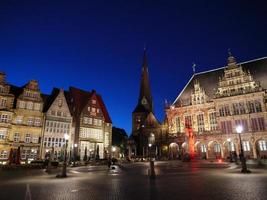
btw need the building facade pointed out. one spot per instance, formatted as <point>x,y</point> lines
<point>6,116</point>
<point>92,125</point>
<point>27,123</point>
<point>215,102</point>
<point>204,117</point>
<point>58,122</point>
<point>33,125</point>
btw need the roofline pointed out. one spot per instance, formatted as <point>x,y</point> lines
<point>211,70</point>
<point>183,89</point>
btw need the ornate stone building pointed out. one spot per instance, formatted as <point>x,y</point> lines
<point>58,121</point>
<point>27,121</point>
<point>215,102</point>
<point>92,124</point>
<point>6,116</point>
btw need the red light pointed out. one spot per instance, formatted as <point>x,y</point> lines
<point>220,161</point>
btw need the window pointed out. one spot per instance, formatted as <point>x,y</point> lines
<point>30,105</point>
<point>188,122</point>
<point>22,104</point>
<point>90,120</point>
<point>37,106</point>
<point>19,120</point>
<point>89,108</point>
<point>59,113</point>
<point>226,127</point>
<point>3,102</point>
<point>243,123</point>
<point>217,148</point>
<point>231,146</point>
<point>95,121</point>
<point>224,111</point>
<point>53,112</point>
<point>257,124</point>
<point>37,122</point>
<point>35,139</point>
<point>3,154</point>
<point>203,148</point>
<point>246,146</point>
<point>200,122</point>
<point>4,118</point>
<point>93,110</point>
<point>263,145</point>
<point>30,121</point>
<point>16,137</point>
<point>27,138</point>
<point>213,121</point>
<point>178,124</point>
<point>93,101</point>
<point>99,122</point>
<point>3,134</point>
<point>97,110</point>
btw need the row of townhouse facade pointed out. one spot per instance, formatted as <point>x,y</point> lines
<point>33,125</point>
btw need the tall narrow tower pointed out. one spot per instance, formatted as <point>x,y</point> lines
<point>145,103</point>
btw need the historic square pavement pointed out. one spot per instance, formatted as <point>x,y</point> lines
<point>175,180</point>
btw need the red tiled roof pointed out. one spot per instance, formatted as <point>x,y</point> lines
<point>81,98</point>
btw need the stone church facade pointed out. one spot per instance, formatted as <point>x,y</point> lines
<point>213,104</point>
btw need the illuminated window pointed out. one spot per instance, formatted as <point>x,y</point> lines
<point>3,134</point>
<point>16,137</point>
<point>35,139</point>
<point>93,101</point>
<point>19,120</point>
<point>246,145</point>
<point>263,145</point>
<point>3,154</point>
<point>37,122</point>
<point>30,105</point>
<point>37,106</point>
<point>203,148</point>
<point>93,110</point>
<point>217,148</point>
<point>200,122</point>
<point>27,138</point>
<point>30,121</point>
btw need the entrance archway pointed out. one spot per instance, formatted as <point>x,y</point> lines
<point>174,150</point>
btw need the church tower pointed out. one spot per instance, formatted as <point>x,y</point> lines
<point>145,103</point>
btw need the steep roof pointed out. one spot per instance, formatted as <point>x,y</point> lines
<point>209,80</point>
<point>16,91</point>
<point>79,99</point>
<point>49,99</point>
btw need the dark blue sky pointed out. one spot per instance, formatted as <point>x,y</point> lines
<point>100,45</point>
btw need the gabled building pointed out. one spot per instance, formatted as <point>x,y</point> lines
<point>6,116</point>
<point>215,102</point>
<point>27,121</point>
<point>58,121</point>
<point>92,124</point>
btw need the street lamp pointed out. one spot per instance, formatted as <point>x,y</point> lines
<point>239,130</point>
<point>64,169</point>
<point>229,148</point>
<point>74,154</point>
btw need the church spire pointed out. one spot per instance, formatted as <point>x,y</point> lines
<point>145,97</point>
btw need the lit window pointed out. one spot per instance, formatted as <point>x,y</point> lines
<point>203,148</point>
<point>217,148</point>
<point>3,154</point>
<point>263,145</point>
<point>19,120</point>
<point>35,139</point>
<point>37,122</point>
<point>93,101</point>
<point>246,145</point>
<point>30,121</point>
<point>16,137</point>
<point>93,110</point>
<point>30,105</point>
<point>3,134</point>
<point>28,138</point>
<point>37,106</point>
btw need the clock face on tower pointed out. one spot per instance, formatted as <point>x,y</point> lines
<point>144,101</point>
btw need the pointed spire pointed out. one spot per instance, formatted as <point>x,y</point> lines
<point>145,61</point>
<point>145,98</point>
<point>194,67</point>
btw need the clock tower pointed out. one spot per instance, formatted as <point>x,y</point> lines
<point>145,104</point>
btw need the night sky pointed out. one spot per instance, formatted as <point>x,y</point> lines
<point>100,45</point>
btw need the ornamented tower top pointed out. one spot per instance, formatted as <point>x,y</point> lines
<point>235,80</point>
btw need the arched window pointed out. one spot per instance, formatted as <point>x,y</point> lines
<point>217,148</point>
<point>263,145</point>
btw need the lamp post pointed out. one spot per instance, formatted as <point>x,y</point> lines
<point>152,168</point>
<point>74,154</point>
<point>229,148</point>
<point>113,149</point>
<point>239,130</point>
<point>64,169</point>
